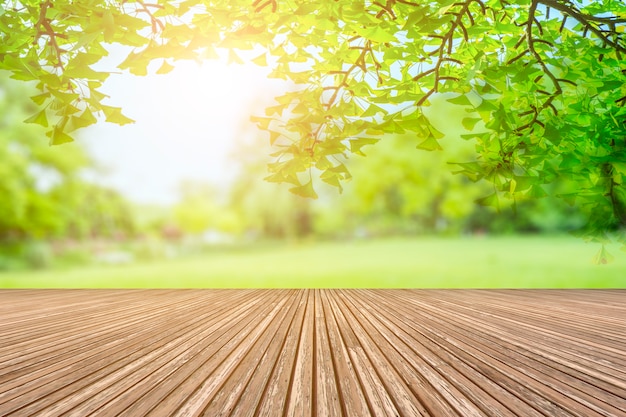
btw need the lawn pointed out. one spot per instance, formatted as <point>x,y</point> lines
<point>477,262</point>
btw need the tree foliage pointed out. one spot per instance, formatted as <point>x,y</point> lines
<point>545,77</point>
<point>414,190</point>
<point>199,210</point>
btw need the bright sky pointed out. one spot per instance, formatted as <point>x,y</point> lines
<point>185,124</point>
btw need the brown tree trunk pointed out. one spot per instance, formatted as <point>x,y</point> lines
<point>618,199</point>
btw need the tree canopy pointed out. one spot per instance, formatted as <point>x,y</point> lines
<point>543,81</point>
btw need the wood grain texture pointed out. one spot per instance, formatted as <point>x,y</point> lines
<point>313,352</point>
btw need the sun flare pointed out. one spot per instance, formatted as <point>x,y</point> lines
<point>186,123</point>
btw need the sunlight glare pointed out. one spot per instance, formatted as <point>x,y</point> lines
<point>185,125</point>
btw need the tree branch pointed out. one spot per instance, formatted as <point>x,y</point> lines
<point>409,3</point>
<point>530,41</point>
<point>445,48</point>
<point>586,20</point>
<point>153,20</point>
<point>359,63</point>
<point>619,206</point>
<point>49,31</point>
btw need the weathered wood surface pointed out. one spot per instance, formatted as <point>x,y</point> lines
<point>313,352</point>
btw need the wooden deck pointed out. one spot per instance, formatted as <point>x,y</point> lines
<point>313,352</point>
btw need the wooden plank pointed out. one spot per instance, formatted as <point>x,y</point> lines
<point>222,337</point>
<point>351,394</point>
<point>592,359</point>
<point>208,377</point>
<point>376,393</point>
<point>300,396</point>
<point>280,380</point>
<point>235,388</point>
<point>81,382</point>
<point>326,378</point>
<point>426,358</point>
<point>258,388</point>
<point>93,330</point>
<point>171,357</point>
<point>542,380</point>
<point>313,352</point>
<point>410,390</point>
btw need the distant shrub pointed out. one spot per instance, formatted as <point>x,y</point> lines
<point>38,255</point>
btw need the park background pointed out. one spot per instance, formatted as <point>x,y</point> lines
<point>178,199</point>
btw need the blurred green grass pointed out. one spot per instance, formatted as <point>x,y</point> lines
<point>475,262</point>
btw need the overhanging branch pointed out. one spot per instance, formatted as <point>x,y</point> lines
<point>588,22</point>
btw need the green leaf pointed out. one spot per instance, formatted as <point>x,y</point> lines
<point>341,169</point>
<point>67,110</point>
<point>39,118</point>
<point>569,198</point>
<point>262,122</point>
<point>323,164</point>
<point>280,177</point>
<point>487,106</point>
<point>460,100</point>
<point>165,68</point>
<point>274,136</point>
<point>333,178</point>
<point>413,19</point>
<point>108,25</point>
<point>536,191</point>
<point>358,143</point>
<point>430,144</point>
<point>40,98</point>
<point>135,65</point>
<point>85,119</point>
<point>85,40</point>
<point>376,34</point>
<point>305,190</point>
<point>114,115</point>
<point>306,9</point>
<point>553,134</point>
<point>58,137</point>
<point>524,182</point>
<point>435,133</point>
<point>490,200</point>
<point>470,122</point>
<point>569,161</point>
<point>84,71</point>
<point>261,60</point>
<point>603,257</point>
<point>97,95</point>
<point>372,110</point>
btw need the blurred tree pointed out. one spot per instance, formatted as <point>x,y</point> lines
<point>197,209</point>
<point>42,193</point>
<point>30,169</point>
<point>411,190</point>
<point>202,207</point>
<point>90,210</point>
<point>267,210</point>
<point>545,76</point>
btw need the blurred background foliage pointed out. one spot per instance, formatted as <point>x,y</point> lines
<point>53,216</point>
<point>46,205</point>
